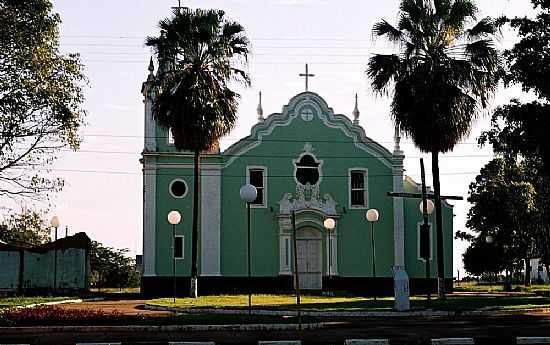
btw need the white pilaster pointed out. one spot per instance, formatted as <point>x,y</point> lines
<point>210,220</point>
<point>149,218</point>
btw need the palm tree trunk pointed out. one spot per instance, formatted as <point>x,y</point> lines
<point>439,226</point>
<point>195,232</point>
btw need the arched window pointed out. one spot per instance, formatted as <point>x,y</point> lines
<point>307,170</point>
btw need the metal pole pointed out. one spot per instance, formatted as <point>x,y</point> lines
<point>55,262</point>
<point>174,259</point>
<point>426,228</point>
<point>249,274</point>
<point>296,275</point>
<point>373,256</point>
<point>329,258</point>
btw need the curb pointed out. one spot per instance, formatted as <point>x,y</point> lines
<point>168,328</point>
<point>66,301</point>
<point>345,314</point>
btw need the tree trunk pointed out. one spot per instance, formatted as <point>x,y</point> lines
<point>439,226</point>
<point>527,277</point>
<point>547,272</point>
<point>195,232</point>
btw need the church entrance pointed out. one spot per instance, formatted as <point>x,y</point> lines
<point>310,261</point>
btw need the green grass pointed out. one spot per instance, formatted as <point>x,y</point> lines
<point>9,302</point>
<point>357,304</point>
<point>495,288</point>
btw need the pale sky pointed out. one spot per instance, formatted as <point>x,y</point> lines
<point>103,193</point>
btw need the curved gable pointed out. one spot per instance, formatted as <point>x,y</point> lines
<point>326,115</point>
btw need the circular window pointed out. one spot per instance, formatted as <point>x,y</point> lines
<point>178,188</point>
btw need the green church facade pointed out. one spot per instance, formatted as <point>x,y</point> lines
<point>306,159</point>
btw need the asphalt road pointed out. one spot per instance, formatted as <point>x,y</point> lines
<point>486,330</point>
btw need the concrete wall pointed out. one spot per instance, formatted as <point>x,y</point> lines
<point>37,269</point>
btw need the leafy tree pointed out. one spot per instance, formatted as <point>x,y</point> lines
<point>503,208</point>
<point>112,267</point>
<point>25,228</point>
<point>442,77</point>
<point>519,130</point>
<point>40,97</point>
<point>199,53</point>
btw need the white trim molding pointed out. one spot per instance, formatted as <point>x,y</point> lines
<point>210,238</point>
<point>149,219</point>
<point>264,178</point>
<point>366,189</point>
<point>170,188</point>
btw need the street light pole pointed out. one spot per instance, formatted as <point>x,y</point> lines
<point>174,218</point>
<point>55,224</point>
<point>248,194</point>
<point>329,225</point>
<point>372,216</point>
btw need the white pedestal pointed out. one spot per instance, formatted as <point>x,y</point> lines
<point>401,289</point>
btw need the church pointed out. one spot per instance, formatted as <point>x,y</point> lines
<point>307,160</point>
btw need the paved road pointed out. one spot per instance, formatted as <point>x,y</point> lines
<point>500,330</point>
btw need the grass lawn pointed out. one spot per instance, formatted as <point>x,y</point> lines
<point>476,287</point>
<point>351,304</point>
<point>9,302</point>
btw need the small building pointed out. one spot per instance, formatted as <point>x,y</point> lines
<point>28,269</point>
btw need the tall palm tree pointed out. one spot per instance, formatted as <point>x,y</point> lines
<point>200,53</point>
<point>442,76</point>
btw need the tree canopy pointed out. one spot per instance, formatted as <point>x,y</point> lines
<point>40,97</point>
<point>25,228</point>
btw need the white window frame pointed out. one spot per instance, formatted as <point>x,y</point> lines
<point>366,189</point>
<point>182,247</point>
<point>285,255</point>
<point>178,180</point>
<point>418,241</point>
<point>264,196</point>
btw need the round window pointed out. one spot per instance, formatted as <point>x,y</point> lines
<point>178,188</point>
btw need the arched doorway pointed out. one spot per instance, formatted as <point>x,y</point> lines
<point>310,259</point>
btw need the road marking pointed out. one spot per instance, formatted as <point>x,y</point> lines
<point>453,341</point>
<point>366,342</point>
<point>281,342</point>
<point>533,340</point>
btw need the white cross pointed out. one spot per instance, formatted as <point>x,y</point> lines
<point>307,115</point>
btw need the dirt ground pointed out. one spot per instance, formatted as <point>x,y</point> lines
<point>127,307</point>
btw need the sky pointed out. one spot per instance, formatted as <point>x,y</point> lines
<point>103,191</point>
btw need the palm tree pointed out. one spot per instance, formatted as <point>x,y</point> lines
<point>199,54</point>
<point>442,76</point>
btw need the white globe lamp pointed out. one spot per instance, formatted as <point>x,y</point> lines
<point>372,215</point>
<point>174,217</point>
<point>248,193</point>
<point>429,207</point>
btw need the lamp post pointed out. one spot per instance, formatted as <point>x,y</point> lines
<point>248,194</point>
<point>372,216</point>
<point>426,207</point>
<point>174,218</point>
<point>55,224</point>
<point>329,225</point>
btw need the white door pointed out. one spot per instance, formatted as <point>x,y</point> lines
<point>309,261</point>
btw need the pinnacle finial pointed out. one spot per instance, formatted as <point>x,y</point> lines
<point>356,112</point>
<point>260,110</point>
<point>397,141</point>
<point>151,67</point>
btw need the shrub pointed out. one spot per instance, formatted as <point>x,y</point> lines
<point>56,316</point>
